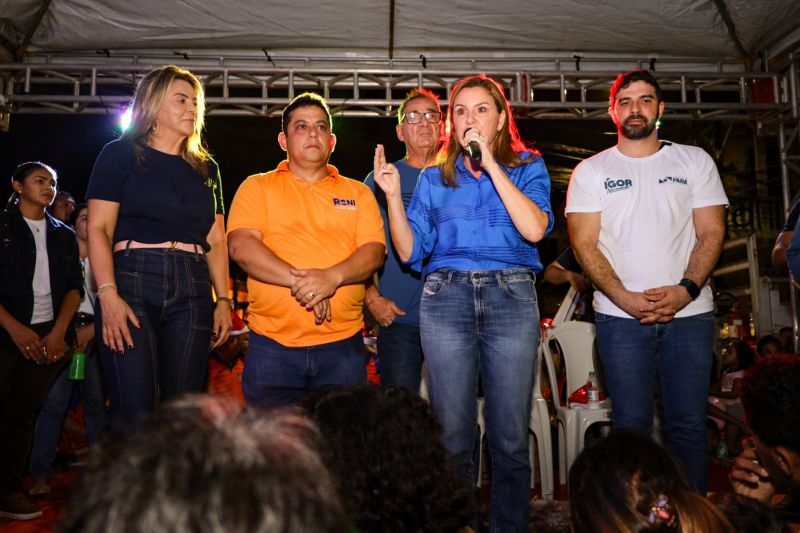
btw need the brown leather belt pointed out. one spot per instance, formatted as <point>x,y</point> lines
<point>168,245</point>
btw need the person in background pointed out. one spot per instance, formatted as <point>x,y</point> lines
<point>473,222</point>
<point>770,461</point>
<point>786,255</point>
<point>394,300</point>
<point>780,252</point>
<point>40,289</point>
<point>157,246</point>
<point>627,482</point>
<point>786,336</point>
<point>62,207</point>
<point>566,269</point>
<point>737,357</point>
<point>769,345</point>
<point>50,420</point>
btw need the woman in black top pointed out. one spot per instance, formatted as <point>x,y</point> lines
<point>40,288</point>
<point>157,245</point>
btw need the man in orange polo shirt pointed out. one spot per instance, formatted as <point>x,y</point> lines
<point>308,238</point>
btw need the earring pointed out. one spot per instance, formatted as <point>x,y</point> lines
<point>154,127</point>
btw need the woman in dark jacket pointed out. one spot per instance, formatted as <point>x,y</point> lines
<point>40,288</point>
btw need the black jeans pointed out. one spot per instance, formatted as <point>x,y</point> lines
<point>23,388</point>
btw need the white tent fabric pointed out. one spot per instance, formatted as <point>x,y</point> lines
<point>362,28</point>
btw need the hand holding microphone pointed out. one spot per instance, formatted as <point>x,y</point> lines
<point>473,148</point>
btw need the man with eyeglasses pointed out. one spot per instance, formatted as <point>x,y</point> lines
<point>394,299</point>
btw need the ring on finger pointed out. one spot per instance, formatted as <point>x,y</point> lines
<point>310,294</point>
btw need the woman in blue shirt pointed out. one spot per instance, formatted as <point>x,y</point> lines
<point>475,217</point>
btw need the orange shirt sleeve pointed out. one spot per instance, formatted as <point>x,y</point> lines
<point>249,206</point>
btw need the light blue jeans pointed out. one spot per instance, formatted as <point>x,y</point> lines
<point>50,420</point>
<point>487,323</point>
<point>677,356</point>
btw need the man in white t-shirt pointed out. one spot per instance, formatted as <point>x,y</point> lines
<point>647,219</point>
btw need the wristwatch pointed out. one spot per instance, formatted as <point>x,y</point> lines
<point>691,287</point>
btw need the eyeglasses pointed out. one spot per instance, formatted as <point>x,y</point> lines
<point>432,117</point>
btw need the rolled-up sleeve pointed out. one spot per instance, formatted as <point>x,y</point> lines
<point>534,182</point>
<point>420,219</point>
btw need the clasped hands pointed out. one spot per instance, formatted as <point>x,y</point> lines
<point>658,305</point>
<point>313,288</point>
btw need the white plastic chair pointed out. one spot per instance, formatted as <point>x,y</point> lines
<point>539,425</point>
<point>576,341</point>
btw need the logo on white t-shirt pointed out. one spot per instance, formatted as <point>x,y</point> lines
<point>616,185</point>
<point>674,179</point>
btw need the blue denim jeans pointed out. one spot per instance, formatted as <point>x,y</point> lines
<point>169,291</point>
<point>487,323</point>
<point>276,375</point>
<point>400,355</point>
<point>50,420</point>
<point>677,356</point>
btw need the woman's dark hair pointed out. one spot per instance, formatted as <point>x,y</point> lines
<point>749,515</point>
<point>745,356</point>
<point>384,447</point>
<point>24,170</point>
<point>765,340</point>
<point>771,401</point>
<point>73,217</point>
<point>628,483</point>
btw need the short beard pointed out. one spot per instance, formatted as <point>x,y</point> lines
<point>636,133</point>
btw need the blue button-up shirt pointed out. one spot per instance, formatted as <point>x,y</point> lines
<point>468,227</point>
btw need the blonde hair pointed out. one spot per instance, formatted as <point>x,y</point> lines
<point>698,515</point>
<point>147,102</point>
<point>506,144</point>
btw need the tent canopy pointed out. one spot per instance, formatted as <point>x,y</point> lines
<point>720,30</point>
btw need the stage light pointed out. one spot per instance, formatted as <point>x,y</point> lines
<point>125,119</point>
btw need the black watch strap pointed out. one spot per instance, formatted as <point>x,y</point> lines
<point>691,287</point>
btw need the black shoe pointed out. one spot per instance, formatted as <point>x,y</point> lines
<point>18,507</point>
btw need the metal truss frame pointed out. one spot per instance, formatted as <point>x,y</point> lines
<point>64,88</point>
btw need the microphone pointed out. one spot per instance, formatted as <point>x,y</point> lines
<point>474,149</point>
